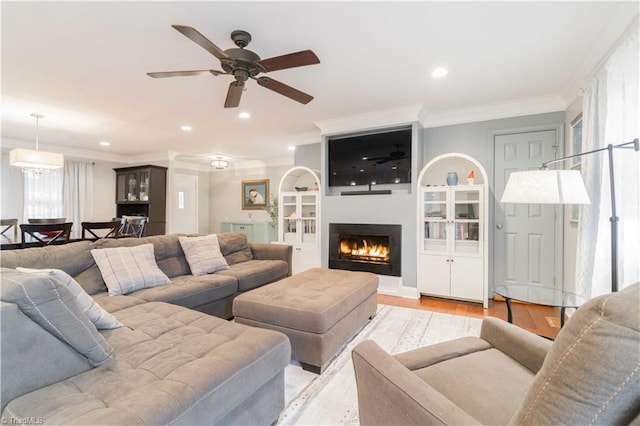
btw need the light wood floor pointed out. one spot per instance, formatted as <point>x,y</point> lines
<point>542,320</point>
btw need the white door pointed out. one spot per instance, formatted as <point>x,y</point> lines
<point>526,236</point>
<point>184,204</point>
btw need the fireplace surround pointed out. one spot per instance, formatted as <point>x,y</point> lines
<point>366,247</point>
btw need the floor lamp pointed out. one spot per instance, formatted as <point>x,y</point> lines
<point>566,187</point>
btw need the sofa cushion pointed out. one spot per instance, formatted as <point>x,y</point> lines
<point>96,314</point>
<point>191,291</point>
<point>125,269</point>
<point>571,388</point>
<point>203,254</point>
<point>255,273</point>
<point>49,303</point>
<point>73,258</point>
<point>116,303</point>
<point>235,247</point>
<point>174,365</point>
<point>166,248</point>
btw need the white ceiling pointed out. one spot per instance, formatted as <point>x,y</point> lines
<point>83,65</point>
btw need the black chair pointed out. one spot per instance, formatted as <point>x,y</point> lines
<point>46,233</point>
<point>113,227</point>
<point>47,220</point>
<point>8,224</point>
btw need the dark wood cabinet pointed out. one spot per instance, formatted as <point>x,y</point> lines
<point>142,191</point>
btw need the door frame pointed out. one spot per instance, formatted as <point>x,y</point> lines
<point>559,209</point>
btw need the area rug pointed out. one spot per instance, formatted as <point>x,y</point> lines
<point>331,398</point>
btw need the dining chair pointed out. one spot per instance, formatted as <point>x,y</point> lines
<point>89,227</point>
<point>135,226</point>
<point>46,233</point>
<point>47,220</point>
<point>8,224</point>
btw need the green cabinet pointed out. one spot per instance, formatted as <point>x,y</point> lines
<point>257,232</point>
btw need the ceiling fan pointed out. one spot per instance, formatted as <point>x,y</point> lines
<point>244,64</point>
<point>396,155</point>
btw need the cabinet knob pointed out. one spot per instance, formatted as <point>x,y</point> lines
<point>499,226</point>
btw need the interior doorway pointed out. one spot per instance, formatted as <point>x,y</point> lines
<point>527,238</point>
<point>184,204</point>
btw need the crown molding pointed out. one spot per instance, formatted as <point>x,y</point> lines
<point>375,119</point>
<point>530,106</point>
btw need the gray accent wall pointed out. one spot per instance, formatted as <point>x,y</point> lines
<point>474,139</point>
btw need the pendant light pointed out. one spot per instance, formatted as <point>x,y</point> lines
<point>35,160</point>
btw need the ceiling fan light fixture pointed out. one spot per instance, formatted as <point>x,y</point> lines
<point>219,163</point>
<point>35,160</point>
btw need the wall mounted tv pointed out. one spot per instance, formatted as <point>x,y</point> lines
<point>383,157</point>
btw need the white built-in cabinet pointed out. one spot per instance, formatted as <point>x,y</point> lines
<point>452,221</point>
<point>299,216</point>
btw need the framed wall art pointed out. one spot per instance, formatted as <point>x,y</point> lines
<point>255,194</point>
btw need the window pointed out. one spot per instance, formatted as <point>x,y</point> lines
<point>43,194</point>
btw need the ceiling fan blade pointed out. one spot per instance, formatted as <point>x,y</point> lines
<point>183,73</point>
<point>292,60</point>
<point>285,90</point>
<point>234,94</point>
<point>193,35</point>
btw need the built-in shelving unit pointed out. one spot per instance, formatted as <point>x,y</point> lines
<point>452,220</point>
<point>299,216</point>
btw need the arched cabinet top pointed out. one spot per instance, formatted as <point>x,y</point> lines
<point>436,171</point>
<point>299,177</point>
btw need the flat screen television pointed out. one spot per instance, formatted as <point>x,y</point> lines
<point>383,157</point>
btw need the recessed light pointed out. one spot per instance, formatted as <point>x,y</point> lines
<point>186,128</point>
<point>439,72</point>
<point>291,148</point>
<point>244,115</point>
<point>104,143</point>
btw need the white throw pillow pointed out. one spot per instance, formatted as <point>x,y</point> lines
<point>96,314</point>
<point>203,254</point>
<point>126,269</point>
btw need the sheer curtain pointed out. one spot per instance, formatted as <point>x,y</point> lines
<point>78,194</point>
<point>611,116</point>
<point>43,195</point>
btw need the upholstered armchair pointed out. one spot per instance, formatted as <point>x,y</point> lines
<point>589,375</point>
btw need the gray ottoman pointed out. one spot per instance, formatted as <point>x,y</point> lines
<point>319,309</point>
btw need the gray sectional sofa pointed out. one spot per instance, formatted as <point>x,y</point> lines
<point>171,362</point>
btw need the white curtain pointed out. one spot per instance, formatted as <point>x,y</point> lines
<point>43,195</point>
<point>78,194</point>
<point>611,116</point>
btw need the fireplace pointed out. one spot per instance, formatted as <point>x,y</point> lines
<point>365,247</point>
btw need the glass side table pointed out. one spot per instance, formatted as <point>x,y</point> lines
<point>539,295</point>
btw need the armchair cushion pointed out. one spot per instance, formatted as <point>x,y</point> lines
<point>592,372</point>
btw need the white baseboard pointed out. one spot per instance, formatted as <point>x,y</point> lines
<point>392,286</point>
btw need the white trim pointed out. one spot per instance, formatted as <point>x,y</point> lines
<point>515,108</point>
<point>374,119</point>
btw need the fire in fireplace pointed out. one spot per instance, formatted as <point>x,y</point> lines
<point>365,247</point>
<point>369,249</point>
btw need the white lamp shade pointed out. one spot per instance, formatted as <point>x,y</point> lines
<point>29,158</point>
<point>545,187</point>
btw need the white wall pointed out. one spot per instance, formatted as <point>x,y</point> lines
<point>225,193</point>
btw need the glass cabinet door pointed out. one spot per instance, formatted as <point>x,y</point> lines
<point>121,187</point>
<point>308,207</point>
<point>466,221</point>
<point>434,212</point>
<point>144,185</point>
<point>132,186</point>
<point>289,225</point>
